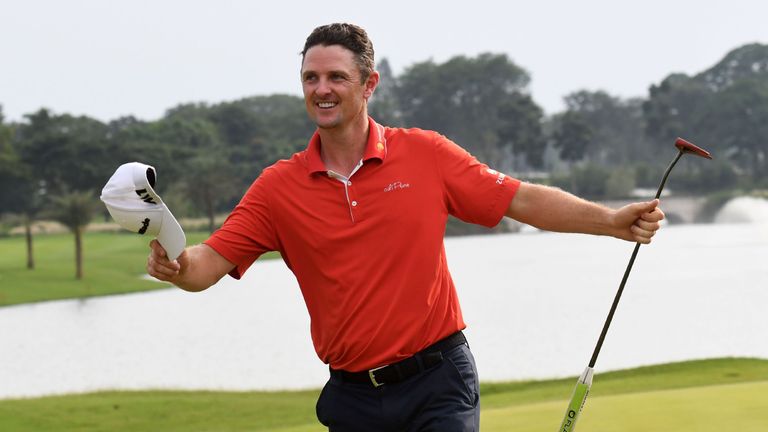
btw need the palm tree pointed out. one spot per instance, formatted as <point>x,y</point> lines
<point>74,210</point>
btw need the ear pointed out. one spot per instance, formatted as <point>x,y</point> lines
<point>370,84</point>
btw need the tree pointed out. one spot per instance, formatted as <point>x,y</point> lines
<point>65,152</point>
<point>18,194</point>
<point>463,99</point>
<point>675,108</point>
<point>738,122</point>
<point>257,131</point>
<point>19,197</point>
<point>748,62</point>
<point>723,108</point>
<point>384,103</point>
<point>74,210</point>
<point>10,170</point>
<point>617,127</point>
<point>207,182</point>
<point>57,153</point>
<point>520,130</point>
<point>572,136</point>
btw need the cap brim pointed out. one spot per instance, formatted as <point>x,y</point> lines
<point>171,236</point>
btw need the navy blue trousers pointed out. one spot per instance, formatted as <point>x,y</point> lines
<point>443,398</point>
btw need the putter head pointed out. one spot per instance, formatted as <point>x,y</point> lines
<point>687,147</point>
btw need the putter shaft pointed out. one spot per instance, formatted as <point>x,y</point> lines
<point>631,262</point>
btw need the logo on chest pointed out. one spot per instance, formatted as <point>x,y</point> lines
<point>398,185</point>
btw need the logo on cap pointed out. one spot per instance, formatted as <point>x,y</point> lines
<point>144,226</point>
<point>146,197</point>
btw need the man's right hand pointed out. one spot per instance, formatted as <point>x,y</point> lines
<point>197,268</point>
<point>160,267</point>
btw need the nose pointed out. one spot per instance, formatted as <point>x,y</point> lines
<point>323,89</point>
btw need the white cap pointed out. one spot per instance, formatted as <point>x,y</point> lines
<point>135,206</point>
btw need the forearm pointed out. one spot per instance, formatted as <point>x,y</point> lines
<point>197,268</point>
<point>553,209</point>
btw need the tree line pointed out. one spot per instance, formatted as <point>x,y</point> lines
<point>601,146</point>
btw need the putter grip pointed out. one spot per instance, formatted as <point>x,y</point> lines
<point>578,398</point>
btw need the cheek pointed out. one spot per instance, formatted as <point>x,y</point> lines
<point>307,101</point>
<point>307,88</point>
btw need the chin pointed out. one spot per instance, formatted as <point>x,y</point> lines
<point>327,123</point>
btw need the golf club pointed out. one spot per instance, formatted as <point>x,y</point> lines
<point>584,383</point>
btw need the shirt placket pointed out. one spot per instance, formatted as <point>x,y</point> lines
<point>349,192</point>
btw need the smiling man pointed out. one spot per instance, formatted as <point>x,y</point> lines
<point>359,218</point>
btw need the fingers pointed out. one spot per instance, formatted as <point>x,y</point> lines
<point>648,225</point>
<point>158,264</point>
<point>645,227</point>
<point>654,214</point>
<point>647,216</point>
<point>642,235</point>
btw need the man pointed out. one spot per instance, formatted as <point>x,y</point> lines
<point>359,217</point>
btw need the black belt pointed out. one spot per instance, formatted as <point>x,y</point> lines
<point>404,369</point>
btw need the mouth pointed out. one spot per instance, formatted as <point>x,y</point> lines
<point>326,104</point>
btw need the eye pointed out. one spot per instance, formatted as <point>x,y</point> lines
<point>310,78</point>
<point>338,77</point>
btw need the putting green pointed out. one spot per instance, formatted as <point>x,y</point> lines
<point>738,407</point>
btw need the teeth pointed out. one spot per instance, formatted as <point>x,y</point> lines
<point>326,104</point>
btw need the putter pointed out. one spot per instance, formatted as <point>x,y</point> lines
<point>584,383</point>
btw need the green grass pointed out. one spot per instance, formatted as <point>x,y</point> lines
<point>162,411</point>
<point>708,396</point>
<point>113,263</point>
<point>648,378</point>
<point>734,407</point>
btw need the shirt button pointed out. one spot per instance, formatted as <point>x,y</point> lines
<point>354,203</point>
<point>349,183</point>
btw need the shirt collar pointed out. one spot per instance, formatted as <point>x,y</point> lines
<point>375,147</point>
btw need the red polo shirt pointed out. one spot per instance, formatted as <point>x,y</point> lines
<point>368,251</point>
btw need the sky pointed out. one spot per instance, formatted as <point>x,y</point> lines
<point>112,58</point>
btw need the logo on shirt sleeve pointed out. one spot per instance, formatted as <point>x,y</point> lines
<point>499,176</point>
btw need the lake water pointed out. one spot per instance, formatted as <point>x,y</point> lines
<point>534,304</point>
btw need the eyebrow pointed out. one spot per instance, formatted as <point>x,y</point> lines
<point>305,73</point>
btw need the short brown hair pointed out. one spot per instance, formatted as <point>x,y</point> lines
<point>351,37</point>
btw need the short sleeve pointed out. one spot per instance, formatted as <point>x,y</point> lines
<point>248,232</point>
<point>474,192</point>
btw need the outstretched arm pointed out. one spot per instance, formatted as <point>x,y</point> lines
<point>197,268</point>
<point>552,209</point>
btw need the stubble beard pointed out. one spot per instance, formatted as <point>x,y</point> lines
<point>332,124</point>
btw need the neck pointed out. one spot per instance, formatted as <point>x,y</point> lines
<point>342,148</point>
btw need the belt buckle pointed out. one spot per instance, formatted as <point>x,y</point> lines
<point>372,376</point>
